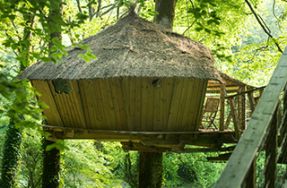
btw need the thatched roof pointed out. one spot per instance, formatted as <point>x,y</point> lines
<point>132,47</point>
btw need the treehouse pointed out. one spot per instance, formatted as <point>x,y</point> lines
<point>146,87</point>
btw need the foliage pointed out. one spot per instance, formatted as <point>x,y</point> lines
<point>190,170</point>
<point>229,29</point>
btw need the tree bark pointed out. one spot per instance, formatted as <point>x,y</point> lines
<point>51,158</point>
<point>150,170</point>
<point>54,24</point>
<point>165,12</point>
<point>51,166</point>
<point>11,154</point>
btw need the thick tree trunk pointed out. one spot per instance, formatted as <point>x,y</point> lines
<point>51,158</point>
<point>150,170</point>
<point>51,166</point>
<point>165,12</point>
<point>11,154</point>
<point>55,25</point>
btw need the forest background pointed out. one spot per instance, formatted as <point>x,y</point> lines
<point>245,42</point>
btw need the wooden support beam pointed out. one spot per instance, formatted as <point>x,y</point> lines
<point>251,101</point>
<point>228,120</point>
<point>135,146</point>
<point>260,89</point>
<point>222,108</point>
<point>243,109</point>
<point>234,117</point>
<point>220,158</point>
<point>148,138</point>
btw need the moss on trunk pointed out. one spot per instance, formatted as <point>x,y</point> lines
<point>11,153</point>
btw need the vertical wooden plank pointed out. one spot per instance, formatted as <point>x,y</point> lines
<point>133,124</point>
<point>51,113</point>
<point>182,102</point>
<point>165,98</point>
<point>222,107</point>
<point>92,104</point>
<point>201,96</point>
<point>134,89</point>
<point>157,105</point>
<point>118,103</point>
<point>126,90</point>
<point>147,105</point>
<point>70,106</point>
<point>108,107</point>
<point>138,103</point>
<point>175,102</point>
<point>189,96</point>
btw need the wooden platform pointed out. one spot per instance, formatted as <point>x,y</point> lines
<point>207,138</point>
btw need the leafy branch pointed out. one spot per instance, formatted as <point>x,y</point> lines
<point>263,26</point>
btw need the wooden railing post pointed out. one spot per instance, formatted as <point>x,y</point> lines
<point>271,154</point>
<point>251,101</point>
<point>222,107</point>
<point>234,117</point>
<point>250,179</point>
<point>241,108</point>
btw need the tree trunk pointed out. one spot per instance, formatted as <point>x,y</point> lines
<point>150,170</point>
<point>51,158</point>
<point>55,25</point>
<point>51,166</point>
<point>11,154</point>
<point>165,12</point>
<point>11,151</point>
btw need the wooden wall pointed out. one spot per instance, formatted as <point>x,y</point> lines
<point>131,104</point>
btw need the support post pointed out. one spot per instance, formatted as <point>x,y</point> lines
<point>234,117</point>
<point>271,154</point>
<point>251,101</point>
<point>222,107</point>
<point>250,179</point>
<point>150,170</point>
<point>241,106</point>
<point>51,166</point>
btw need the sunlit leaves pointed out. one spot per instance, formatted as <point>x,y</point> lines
<point>88,55</point>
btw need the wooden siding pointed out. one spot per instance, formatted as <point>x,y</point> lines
<point>129,104</point>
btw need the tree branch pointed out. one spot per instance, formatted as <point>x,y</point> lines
<point>263,26</point>
<point>79,6</point>
<point>188,28</point>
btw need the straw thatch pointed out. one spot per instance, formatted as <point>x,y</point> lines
<point>132,47</point>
